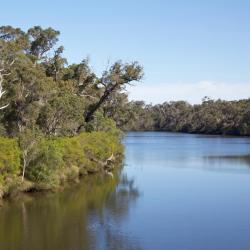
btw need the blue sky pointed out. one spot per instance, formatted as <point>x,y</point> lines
<point>188,48</point>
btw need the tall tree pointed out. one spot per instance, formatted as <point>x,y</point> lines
<point>114,80</point>
<point>55,65</point>
<point>42,40</point>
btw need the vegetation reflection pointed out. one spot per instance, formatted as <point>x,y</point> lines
<point>73,219</point>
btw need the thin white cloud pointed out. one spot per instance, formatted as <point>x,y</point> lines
<point>191,92</point>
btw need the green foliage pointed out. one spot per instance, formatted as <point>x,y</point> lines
<point>102,123</point>
<point>46,161</point>
<point>210,117</point>
<point>62,115</point>
<point>114,81</point>
<point>9,164</point>
<point>9,157</point>
<point>42,40</point>
<point>54,161</point>
<point>58,160</point>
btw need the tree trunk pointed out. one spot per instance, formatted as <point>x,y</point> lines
<point>96,106</point>
<point>24,165</point>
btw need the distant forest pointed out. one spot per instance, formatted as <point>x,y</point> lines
<point>210,117</point>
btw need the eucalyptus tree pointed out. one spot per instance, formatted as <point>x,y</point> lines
<point>62,115</point>
<point>55,65</point>
<point>115,79</point>
<point>42,41</point>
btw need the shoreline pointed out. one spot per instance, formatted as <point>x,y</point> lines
<point>59,162</point>
<point>29,188</point>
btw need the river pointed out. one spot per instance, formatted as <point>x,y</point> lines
<point>175,191</point>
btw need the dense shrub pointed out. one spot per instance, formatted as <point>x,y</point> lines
<point>64,159</point>
<point>9,157</point>
<point>9,164</point>
<point>55,161</point>
<point>46,161</point>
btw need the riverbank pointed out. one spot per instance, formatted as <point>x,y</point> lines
<point>186,132</point>
<point>55,162</point>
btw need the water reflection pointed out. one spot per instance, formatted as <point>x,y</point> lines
<point>85,216</point>
<point>195,196</point>
<point>228,163</point>
<point>241,159</point>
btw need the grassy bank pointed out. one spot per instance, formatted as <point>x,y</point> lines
<point>56,162</point>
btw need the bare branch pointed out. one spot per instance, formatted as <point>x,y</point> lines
<point>3,107</point>
<point>13,61</point>
<point>1,90</point>
<point>90,96</point>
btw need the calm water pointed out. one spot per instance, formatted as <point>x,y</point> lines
<point>175,192</point>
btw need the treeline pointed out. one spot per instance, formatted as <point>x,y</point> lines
<point>48,107</point>
<point>210,117</point>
